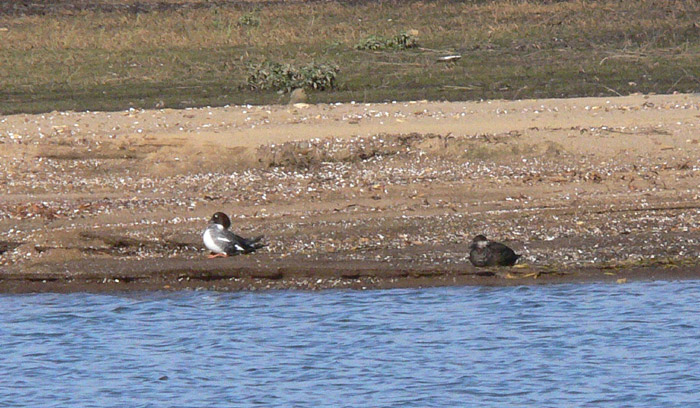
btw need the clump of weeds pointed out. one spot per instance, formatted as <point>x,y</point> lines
<point>271,75</point>
<point>249,20</point>
<point>401,41</point>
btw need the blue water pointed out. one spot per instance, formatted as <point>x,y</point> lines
<point>598,345</point>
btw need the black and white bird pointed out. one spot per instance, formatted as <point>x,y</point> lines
<point>222,242</point>
<point>489,253</point>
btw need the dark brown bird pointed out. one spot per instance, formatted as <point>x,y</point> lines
<point>489,253</point>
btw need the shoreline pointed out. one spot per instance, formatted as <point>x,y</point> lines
<point>584,186</point>
<point>176,276</point>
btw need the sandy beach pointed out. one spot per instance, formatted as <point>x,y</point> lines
<point>352,195</point>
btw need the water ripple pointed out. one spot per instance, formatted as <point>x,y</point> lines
<point>561,345</point>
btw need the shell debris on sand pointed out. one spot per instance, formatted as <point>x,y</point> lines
<point>331,191</point>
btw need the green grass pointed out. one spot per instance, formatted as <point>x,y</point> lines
<point>102,59</point>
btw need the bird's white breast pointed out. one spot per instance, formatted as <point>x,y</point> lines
<point>209,241</point>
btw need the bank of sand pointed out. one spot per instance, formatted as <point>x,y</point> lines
<point>352,195</point>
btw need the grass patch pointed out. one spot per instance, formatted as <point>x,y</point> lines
<point>274,76</point>
<point>249,19</point>
<point>98,55</point>
<point>400,41</point>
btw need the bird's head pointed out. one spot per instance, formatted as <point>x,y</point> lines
<point>221,219</point>
<point>480,241</point>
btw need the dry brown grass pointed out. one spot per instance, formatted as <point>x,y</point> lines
<point>94,55</point>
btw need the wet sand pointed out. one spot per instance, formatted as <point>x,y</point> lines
<point>352,195</point>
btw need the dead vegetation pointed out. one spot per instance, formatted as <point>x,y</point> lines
<point>110,55</point>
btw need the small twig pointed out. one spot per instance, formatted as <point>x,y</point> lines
<point>517,93</point>
<point>610,89</point>
<point>675,83</point>
<point>693,77</point>
<point>460,88</point>
<point>686,75</point>
<point>623,56</point>
<point>398,63</point>
<point>433,50</point>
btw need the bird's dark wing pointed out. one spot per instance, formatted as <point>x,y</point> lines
<point>501,254</point>
<point>255,242</point>
<point>248,244</point>
<point>229,242</point>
